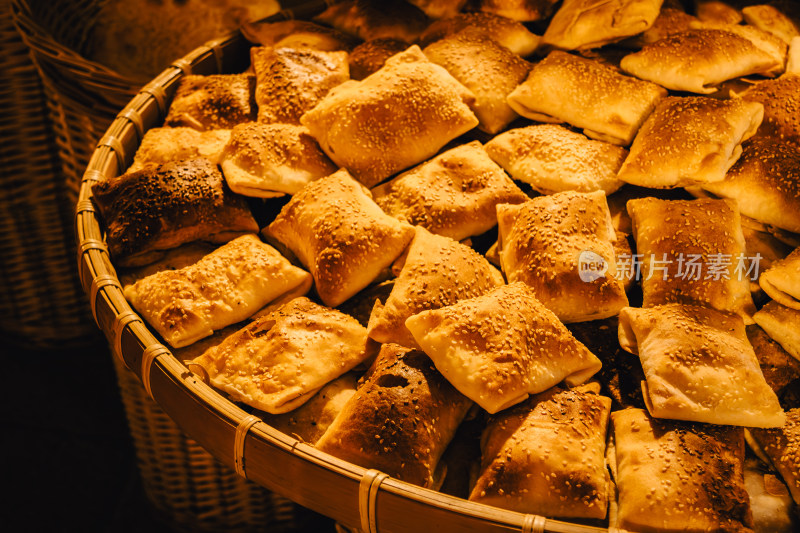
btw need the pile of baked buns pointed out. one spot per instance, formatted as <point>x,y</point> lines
<point>541,255</point>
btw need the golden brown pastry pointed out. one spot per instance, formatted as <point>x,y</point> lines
<point>400,420</point>
<point>163,206</point>
<point>697,60</point>
<point>340,235</point>
<point>779,368</point>
<point>505,31</point>
<point>692,252</point>
<point>290,81</point>
<point>521,10</point>
<point>280,360</point>
<point>765,41</point>
<point>369,20</point>
<point>607,105</point>
<point>214,102</point>
<point>781,101</point>
<point>437,9</point>
<point>673,476</point>
<point>436,271</point>
<point>561,246</point>
<point>765,181</point>
<point>699,366</point>
<point>163,145</point>
<point>454,194</point>
<point>398,117</point>
<point>552,158</point>
<point>265,160</point>
<point>486,68</point>
<point>669,21</point>
<point>782,447</point>
<point>793,57</point>
<point>370,56</point>
<point>297,34</point>
<point>224,287</point>
<point>583,24</point>
<point>772,20</point>
<point>717,12</point>
<point>770,499</point>
<point>309,422</point>
<point>782,324</point>
<point>690,140</point>
<point>546,456</point>
<point>502,346</point>
<point>782,281</point>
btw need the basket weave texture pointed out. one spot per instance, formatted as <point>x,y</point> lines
<point>41,301</point>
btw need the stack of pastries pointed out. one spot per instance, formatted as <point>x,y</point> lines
<point>539,255</point>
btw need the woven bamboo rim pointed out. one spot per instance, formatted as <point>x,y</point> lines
<point>358,498</point>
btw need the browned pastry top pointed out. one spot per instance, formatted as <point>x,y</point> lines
<point>217,101</point>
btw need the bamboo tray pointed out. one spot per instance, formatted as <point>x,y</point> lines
<point>353,496</point>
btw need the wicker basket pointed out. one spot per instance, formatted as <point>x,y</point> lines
<point>41,301</point>
<point>356,498</point>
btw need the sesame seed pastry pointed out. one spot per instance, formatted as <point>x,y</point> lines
<point>214,102</point>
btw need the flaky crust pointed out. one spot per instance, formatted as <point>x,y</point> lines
<point>340,235</point>
<point>213,102</point>
<point>699,366</point>
<point>505,31</point>
<point>781,101</point>
<point>544,242</point>
<point>163,145</point>
<point>455,194</point>
<point>546,456</point>
<point>370,56</point>
<point>280,360</point>
<point>502,346</point>
<point>690,141</point>
<point>398,117</point>
<point>264,160</point>
<point>298,34</point>
<point>607,105</point>
<point>782,324</point>
<point>699,472</point>
<point>437,271</point>
<point>367,20</point>
<point>400,420</point>
<point>782,448</point>
<point>779,368</point>
<point>693,252</point>
<point>163,206</point>
<point>782,281</point>
<point>290,81</point>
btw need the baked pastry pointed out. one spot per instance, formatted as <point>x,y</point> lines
<point>290,81</point>
<point>779,368</point>
<point>265,160</point>
<point>770,19</point>
<point>669,21</point>
<point>436,271</point>
<point>521,10</point>
<point>562,247</point>
<point>607,105</point>
<point>782,447</point>
<point>400,420</point>
<point>455,193</point>
<point>584,24</point>
<point>340,235</point>
<point>765,182</point>
<point>505,31</point>
<point>163,145</point>
<point>280,360</point>
<point>398,117</point>
<point>552,158</point>
<point>782,281</point>
<point>770,499</point>
<point>546,456</point>
<point>309,422</point>
<point>782,324</point>
<point>716,56</point>
<point>163,206</point>
<point>437,9</point>
<point>502,346</point>
<point>213,102</point>
<point>781,101</point>
<point>370,56</point>
<point>367,20</point>
<point>690,140</point>
<point>699,366</point>
<point>793,57</point>
<point>673,476</point>
<point>717,12</point>
<point>486,68</point>
<point>692,252</point>
<point>297,34</point>
<point>224,287</point>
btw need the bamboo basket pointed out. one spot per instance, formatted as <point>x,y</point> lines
<point>41,301</point>
<point>356,498</point>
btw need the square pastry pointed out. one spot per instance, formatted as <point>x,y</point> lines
<point>214,102</point>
